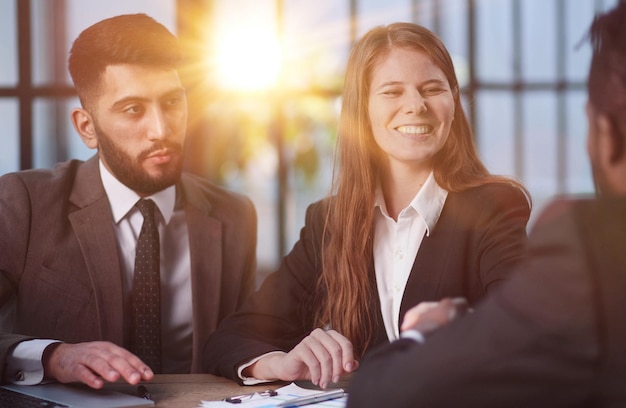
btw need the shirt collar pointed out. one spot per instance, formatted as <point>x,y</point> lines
<point>428,202</point>
<point>123,199</point>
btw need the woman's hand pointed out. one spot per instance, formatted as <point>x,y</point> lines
<point>321,357</point>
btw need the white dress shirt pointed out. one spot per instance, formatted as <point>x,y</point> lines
<point>24,363</point>
<point>396,244</point>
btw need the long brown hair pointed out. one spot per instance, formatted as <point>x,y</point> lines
<point>347,293</point>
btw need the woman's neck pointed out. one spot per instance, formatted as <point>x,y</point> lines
<point>400,184</point>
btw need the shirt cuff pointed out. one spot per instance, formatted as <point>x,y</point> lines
<point>24,365</point>
<point>413,335</point>
<point>252,380</point>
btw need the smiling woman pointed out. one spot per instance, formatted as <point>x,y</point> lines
<point>413,216</point>
<point>247,55</point>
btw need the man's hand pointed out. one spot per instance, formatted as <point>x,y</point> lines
<point>93,363</point>
<point>321,357</point>
<point>427,317</point>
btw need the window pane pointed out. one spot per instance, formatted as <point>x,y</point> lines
<point>8,46</point>
<point>578,16</point>
<point>316,39</point>
<point>258,180</point>
<point>54,137</point>
<point>45,68</point>
<point>425,13</point>
<point>372,13</point>
<point>540,144</point>
<point>578,178</point>
<point>539,54</point>
<point>495,131</point>
<point>494,48</point>
<point>454,36</point>
<point>80,15</point>
<point>9,139</point>
<point>311,131</point>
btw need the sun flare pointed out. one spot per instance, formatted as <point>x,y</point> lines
<point>247,57</point>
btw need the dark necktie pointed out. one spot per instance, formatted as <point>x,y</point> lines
<point>146,296</point>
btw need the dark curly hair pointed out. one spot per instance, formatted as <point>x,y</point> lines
<point>607,76</point>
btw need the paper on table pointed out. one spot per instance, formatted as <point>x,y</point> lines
<point>285,393</point>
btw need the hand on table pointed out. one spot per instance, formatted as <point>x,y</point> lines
<point>427,317</point>
<point>93,363</point>
<point>321,357</point>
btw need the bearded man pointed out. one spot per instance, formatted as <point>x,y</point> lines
<point>85,294</point>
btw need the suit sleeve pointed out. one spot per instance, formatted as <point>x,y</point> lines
<point>14,233</point>
<point>249,280</point>
<point>500,233</point>
<point>275,318</point>
<point>532,343</point>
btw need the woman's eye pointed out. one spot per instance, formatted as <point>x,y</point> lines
<point>391,92</point>
<point>432,91</point>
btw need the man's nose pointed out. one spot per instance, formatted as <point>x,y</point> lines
<point>158,127</point>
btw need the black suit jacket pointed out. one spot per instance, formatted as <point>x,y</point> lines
<point>479,236</point>
<point>59,268</point>
<point>553,336</point>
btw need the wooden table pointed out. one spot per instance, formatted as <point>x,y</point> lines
<point>187,390</point>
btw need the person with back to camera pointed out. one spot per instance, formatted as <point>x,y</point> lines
<point>415,216</point>
<point>94,292</point>
<point>554,335</point>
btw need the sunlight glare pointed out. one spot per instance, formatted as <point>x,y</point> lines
<point>247,56</point>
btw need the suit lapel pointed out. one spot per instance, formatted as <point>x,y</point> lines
<point>93,225</point>
<point>205,246</point>
<point>431,262</point>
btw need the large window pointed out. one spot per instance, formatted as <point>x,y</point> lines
<point>521,72</point>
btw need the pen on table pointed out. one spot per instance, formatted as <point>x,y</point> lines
<point>142,392</point>
<point>312,399</point>
<point>238,399</point>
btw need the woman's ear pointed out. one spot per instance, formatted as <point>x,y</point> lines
<point>83,123</point>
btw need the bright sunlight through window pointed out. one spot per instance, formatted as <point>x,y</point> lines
<point>247,54</point>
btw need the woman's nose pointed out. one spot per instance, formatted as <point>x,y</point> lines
<point>415,104</point>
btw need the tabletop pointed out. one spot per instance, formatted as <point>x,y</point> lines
<point>188,390</point>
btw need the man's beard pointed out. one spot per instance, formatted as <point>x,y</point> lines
<point>128,170</point>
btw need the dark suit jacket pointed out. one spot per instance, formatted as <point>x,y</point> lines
<point>479,236</point>
<point>553,336</point>
<point>59,264</point>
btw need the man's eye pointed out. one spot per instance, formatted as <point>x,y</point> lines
<point>133,109</point>
<point>174,101</point>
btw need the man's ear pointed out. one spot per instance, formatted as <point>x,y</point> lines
<point>83,123</point>
<point>610,139</point>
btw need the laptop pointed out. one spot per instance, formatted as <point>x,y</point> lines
<point>55,395</point>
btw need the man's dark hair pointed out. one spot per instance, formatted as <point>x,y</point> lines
<point>607,75</point>
<point>126,39</point>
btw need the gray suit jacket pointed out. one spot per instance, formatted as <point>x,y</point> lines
<point>553,336</point>
<point>59,267</point>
